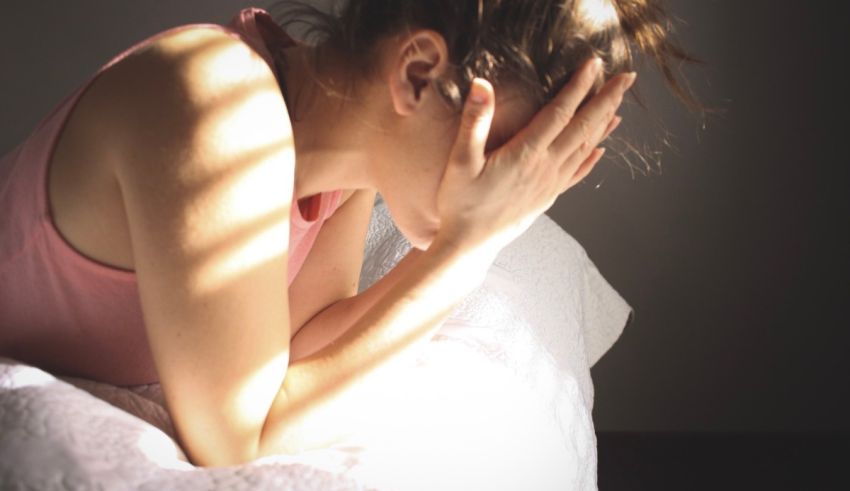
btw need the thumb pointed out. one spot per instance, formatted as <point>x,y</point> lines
<point>468,149</point>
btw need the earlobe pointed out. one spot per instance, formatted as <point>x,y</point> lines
<point>421,58</point>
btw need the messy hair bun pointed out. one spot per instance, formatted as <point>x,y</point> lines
<point>537,44</point>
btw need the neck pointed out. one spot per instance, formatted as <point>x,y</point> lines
<point>331,139</point>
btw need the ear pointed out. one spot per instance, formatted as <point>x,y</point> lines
<point>417,59</point>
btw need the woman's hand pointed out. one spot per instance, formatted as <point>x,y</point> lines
<point>485,202</point>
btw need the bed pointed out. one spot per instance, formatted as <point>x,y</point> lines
<point>500,399</point>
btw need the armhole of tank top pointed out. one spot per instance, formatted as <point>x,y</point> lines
<point>324,208</point>
<point>64,108</point>
<point>298,219</point>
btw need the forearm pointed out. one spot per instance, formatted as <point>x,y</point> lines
<point>334,320</point>
<point>325,393</point>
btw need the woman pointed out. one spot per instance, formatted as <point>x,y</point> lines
<point>149,221</point>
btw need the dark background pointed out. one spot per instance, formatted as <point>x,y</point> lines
<point>733,255</point>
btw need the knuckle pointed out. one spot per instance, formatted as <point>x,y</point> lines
<point>615,104</point>
<point>584,127</point>
<point>561,114</point>
<point>469,126</point>
<point>604,123</point>
<point>590,77</point>
<point>607,123</point>
<point>528,152</point>
<point>527,161</point>
<point>470,120</point>
<point>526,171</point>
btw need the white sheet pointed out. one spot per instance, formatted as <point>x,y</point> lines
<point>501,398</point>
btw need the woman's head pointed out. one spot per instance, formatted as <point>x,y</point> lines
<point>535,44</point>
<point>528,49</point>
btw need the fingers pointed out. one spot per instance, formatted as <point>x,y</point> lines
<point>584,130</point>
<point>565,173</point>
<point>585,168</point>
<point>468,148</point>
<point>550,121</point>
<point>615,122</point>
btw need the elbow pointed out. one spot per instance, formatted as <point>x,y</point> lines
<point>212,456</point>
<point>322,329</point>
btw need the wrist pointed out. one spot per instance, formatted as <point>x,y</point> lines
<point>469,264</point>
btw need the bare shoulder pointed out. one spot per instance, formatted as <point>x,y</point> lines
<point>183,77</point>
<point>202,51</point>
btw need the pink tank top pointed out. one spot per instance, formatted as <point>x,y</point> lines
<point>66,312</point>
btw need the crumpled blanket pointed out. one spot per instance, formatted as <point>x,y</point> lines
<point>500,399</point>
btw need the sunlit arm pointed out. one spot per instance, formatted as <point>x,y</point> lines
<point>336,318</point>
<point>324,394</point>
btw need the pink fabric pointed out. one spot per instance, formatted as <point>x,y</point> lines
<point>67,312</point>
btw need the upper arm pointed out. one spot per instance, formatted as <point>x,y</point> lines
<point>205,164</point>
<point>331,271</point>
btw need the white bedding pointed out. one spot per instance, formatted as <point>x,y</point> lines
<point>500,399</point>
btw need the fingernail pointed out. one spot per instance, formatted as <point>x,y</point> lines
<point>615,122</point>
<point>477,94</point>
<point>629,80</point>
<point>596,65</point>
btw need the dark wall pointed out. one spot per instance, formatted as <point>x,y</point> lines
<point>734,256</point>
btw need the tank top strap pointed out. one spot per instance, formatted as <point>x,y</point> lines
<point>250,22</point>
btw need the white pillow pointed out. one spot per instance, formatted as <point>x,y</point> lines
<point>547,266</point>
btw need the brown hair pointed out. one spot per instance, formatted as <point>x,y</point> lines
<point>538,44</point>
